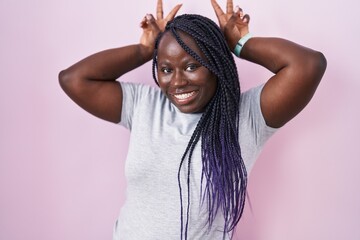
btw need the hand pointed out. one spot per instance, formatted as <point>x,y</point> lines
<point>152,27</point>
<point>234,24</point>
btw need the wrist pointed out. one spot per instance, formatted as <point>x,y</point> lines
<point>145,53</point>
<point>240,44</point>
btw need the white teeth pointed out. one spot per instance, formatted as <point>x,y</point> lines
<point>183,95</point>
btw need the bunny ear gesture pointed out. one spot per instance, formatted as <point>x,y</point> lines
<point>161,21</point>
<point>234,24</point>
<point>152,27</point>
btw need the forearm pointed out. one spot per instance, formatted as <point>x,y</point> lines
<point>277,54</point>
<point>109,64</point>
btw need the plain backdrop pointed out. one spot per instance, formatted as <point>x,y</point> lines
<point>61,169</point>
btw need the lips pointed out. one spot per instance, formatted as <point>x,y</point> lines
<point>184,98</point>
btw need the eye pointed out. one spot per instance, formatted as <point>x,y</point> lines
<point>165,70</point>
<point>191,67</point>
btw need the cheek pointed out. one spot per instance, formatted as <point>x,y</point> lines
<point>162,78</point>
<point>162,85</point>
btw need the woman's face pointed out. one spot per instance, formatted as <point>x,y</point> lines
<point>188,85</point>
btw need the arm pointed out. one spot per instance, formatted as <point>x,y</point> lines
<point>91,82</point>
<point>298,70</point>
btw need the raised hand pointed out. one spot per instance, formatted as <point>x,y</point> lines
<point>234,24</point>
<point>152,27</point>
<point>160,20</point>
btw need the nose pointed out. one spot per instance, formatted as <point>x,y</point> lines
<point>178,79</point>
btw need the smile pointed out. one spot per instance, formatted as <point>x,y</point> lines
<point>184,96</point>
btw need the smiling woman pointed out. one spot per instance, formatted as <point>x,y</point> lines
<point>194,140</point>
<point>189,85</point>
<point>205,81</point>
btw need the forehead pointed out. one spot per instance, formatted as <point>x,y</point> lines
<point>169,45</point>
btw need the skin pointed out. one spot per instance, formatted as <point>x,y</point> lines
<point>91,82</point>
<point>188,85</point>
<point>297,70</point>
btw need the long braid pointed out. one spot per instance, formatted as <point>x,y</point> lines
<point>223,168</point>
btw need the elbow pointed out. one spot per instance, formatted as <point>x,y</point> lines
<point>321,62</point>
<point>64,79</point>
<point>316,66</point>
<point>69,81</point>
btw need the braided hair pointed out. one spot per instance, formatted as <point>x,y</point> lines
<point>223,170</point>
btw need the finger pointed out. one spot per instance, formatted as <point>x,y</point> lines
<point>143,22</point>
<point>232,20</point>
<point>173,12</point>
<point>229,6</point>
<point>246,18</point>
<point>239,11</point>
<point>159,10</point>
<point>217,9</point>
<point>151,22</point>
<point>231,31</point>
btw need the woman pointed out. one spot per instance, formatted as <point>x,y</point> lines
<point>194,140</point>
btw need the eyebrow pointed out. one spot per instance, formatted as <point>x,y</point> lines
<point>183,60</point>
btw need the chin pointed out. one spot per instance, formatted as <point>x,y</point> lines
<point>185,109</point>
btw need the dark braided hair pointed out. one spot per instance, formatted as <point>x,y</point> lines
<point>222,166</point>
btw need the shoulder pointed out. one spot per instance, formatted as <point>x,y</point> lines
<point>139,100</point>
<point>252,123</point>
<point>137,92</point>
<point>250,99</point>
<point>253,131</point>
<point>129,87</point>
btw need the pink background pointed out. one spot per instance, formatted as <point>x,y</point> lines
<point>61,170</point>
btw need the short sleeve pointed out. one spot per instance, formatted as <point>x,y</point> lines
<point>133,95</point>
<point>129,95</point>
<point>253,130</point>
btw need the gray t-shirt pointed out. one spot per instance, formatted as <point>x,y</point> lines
<point>159,136</point>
